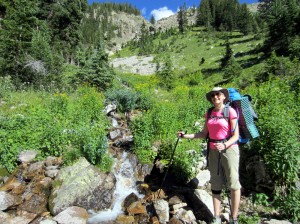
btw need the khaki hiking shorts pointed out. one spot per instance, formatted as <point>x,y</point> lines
<point>228,165</point>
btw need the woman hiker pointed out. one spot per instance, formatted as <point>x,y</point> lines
<point>223,157</point>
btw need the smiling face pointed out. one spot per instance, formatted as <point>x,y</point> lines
<point>217,97</point>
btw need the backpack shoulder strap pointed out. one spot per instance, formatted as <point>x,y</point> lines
<point>209,112</point>
<point>226,111</point>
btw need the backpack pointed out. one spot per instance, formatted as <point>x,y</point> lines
<point>246,114</point>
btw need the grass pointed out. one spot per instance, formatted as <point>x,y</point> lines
<point>187,50</point>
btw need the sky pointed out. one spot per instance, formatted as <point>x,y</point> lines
<point>160,8</point>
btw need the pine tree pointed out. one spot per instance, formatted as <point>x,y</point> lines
<point>165,74</point>
<point>152,20</point>
<point>17,28</point>
<point>97,71</point>
<point>227,56</point>
<point>182,18</point>
<point>145,40</point>
<point>282,18</point>
<point>204,16</point>
<point>245,20</point>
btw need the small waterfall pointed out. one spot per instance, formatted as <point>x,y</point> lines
<point>125,185</point>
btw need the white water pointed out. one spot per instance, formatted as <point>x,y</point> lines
<point>125,185</point>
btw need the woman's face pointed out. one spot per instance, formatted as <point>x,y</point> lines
<point>217,98</point>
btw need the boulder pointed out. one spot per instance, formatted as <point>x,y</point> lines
<point>7,200</point>
<point>83,185</point>
<point>74,215</point>
<point>202,204</point>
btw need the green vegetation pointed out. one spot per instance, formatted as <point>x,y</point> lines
<point>55,78</point>
<point>54,124</point>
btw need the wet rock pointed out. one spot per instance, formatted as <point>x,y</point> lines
<point>11,183</point>
<point>154,220</point>
<point>83,185</point>
<point>27,156</point>
<point>34,170</point>
<point>142,218</point>
<point>8,200</point>
<point>129,200</point>
<point>174,220</point>
<point>141,170</point>
<point>74,215</point>
<point>124,219</point>
<point>136,208</point>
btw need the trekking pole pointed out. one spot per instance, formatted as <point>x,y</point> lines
<point>170,163</point>
<point>225,180</point>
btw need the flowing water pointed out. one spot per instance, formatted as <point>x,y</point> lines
<point>125,185</point>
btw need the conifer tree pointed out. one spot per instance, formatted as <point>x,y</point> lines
<point>204,16</point>
<point>97,71</point>
<point>17,28</point>
<point>152,20</point>
<point>282,19</point>
<point>182,18</point>
<point>227,56</point>
<point>245,20</point>
<point>145,40</point>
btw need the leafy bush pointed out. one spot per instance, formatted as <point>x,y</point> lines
<point>279,141</point>
<point>288,203</point>
<point>6,86</point>
<point>128,99</point>
<point>55,125</point>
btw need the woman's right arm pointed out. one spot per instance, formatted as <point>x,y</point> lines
<point>201,134</point>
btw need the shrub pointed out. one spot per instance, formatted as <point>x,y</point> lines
<point>279,141</point>
<point>6,86</point>
<point>55,125</point>
<point>126,99</point>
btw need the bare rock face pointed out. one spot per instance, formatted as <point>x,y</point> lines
<point>82,185</point>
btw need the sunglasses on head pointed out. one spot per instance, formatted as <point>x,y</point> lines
<point>215,94</point>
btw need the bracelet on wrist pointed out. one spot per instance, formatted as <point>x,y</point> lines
<point>224,146</point>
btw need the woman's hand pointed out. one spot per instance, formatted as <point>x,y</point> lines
<point>180,134</point>
<point>220,146</point>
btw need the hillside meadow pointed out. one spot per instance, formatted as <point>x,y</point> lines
<point>71,123</point>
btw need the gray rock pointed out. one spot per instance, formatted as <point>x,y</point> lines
<point>274,221</point>
<point>202,204</point>
<point>83,185</point>
<point>74,215</point>
<point>27,156</point>
<point>115,134</point>
<point>162,210</point>
<point>7,200</point>
<point>48,221</point>
<point>51,173</point>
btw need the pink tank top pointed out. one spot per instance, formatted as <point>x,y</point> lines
<point>219,128</point>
